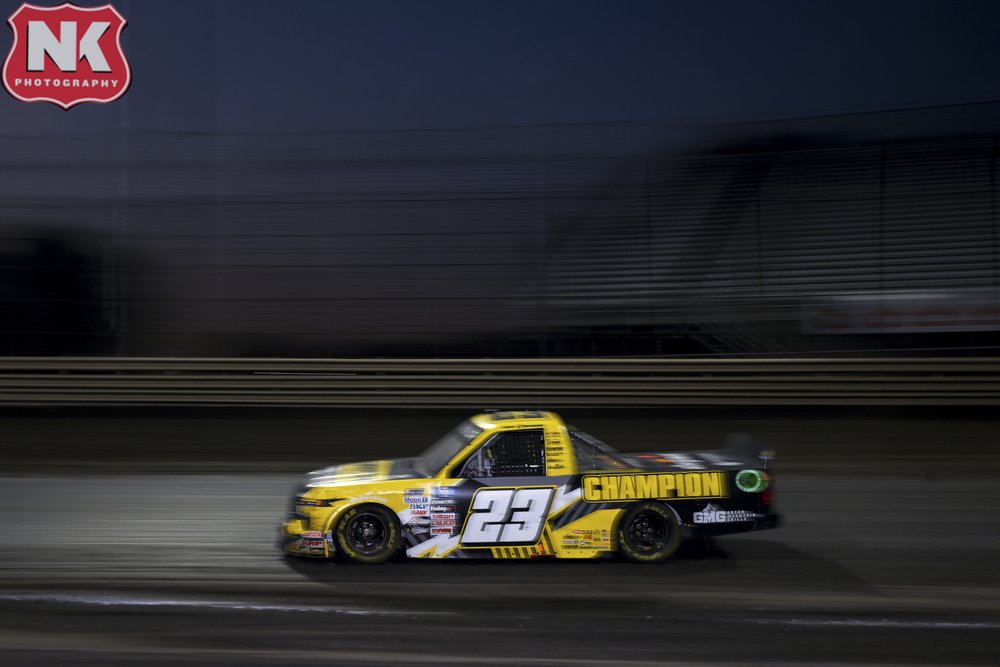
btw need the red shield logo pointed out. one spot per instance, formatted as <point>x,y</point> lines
<point>66,55</point>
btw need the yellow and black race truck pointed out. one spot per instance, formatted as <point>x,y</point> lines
<point>526,485</point>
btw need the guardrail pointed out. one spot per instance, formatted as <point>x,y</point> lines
<point>474,383</point>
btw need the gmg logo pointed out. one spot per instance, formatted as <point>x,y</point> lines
<point>66,55</point>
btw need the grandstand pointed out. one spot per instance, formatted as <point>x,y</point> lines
<point>842,235</point>
<point>791,246</point>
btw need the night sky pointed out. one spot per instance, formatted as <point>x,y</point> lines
<point>270,66</point>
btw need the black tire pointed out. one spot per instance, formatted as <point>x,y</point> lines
<point>649,533</point>
<point>368,534</point>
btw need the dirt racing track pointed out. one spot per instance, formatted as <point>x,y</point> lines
<point>143,562</point>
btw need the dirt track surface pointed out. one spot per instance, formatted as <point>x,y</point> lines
<point>893,564</point>
<point>177,568</point>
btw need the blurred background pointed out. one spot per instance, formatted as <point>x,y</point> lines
<point>441,180</point>
<point>316,232</point>
<point>851,234</point>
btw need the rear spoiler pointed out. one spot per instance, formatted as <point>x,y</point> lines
<point>742,446</point>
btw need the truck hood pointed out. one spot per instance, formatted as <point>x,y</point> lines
<point>363,472</point>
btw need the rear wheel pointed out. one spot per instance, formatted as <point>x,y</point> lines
<point>368,534</point>
<point>649,533</point>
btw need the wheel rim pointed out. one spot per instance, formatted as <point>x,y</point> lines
<point>648,531</point>
<point>368,533</point>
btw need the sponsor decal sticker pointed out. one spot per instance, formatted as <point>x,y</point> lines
<point>441,531</point>
<point>589,538</point>
<point>715,514</point>
<point>444,491</point>
<point>66,55</point>
<point>369,498</point>
<point>647,486</point>
<point>415,499</point>
<point>419,512</point>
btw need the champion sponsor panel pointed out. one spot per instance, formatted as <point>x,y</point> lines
<point>654,486</point>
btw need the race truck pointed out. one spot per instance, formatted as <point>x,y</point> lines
<point>526,485</point>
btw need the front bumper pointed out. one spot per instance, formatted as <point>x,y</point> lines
<point>295,539</point>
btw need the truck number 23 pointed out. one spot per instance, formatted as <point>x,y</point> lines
<point>507,516</point>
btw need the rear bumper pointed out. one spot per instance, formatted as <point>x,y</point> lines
<point>765,522</point>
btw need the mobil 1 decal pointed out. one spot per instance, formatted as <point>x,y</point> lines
<point>512,516</point>
<point>432,512</point>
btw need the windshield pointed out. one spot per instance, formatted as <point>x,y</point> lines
<point>442,451</point>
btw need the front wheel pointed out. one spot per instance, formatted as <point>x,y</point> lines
<point>368,534</point>
<point>649,533</point>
